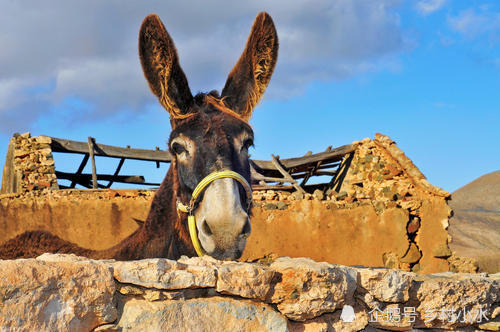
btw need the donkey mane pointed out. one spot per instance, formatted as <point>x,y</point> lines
<point>210,133</point>
<point>200,97</point>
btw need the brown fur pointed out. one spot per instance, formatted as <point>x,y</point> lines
<point>160,63</point>
<point>165,233</point>
<point>253,71</point>
<point>153,239</point>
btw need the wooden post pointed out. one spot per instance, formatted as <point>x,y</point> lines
<point>157,162</point>
<point>286,175</point>
<point>338,178</point>
<point>92,159</point>
<point>313,170</point>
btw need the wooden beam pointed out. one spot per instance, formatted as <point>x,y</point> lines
<point>120,164</point>
<point>326,166</point>
<point>328,173</point>
<point>272,187</point>
<point>157,162</point>
<point>269,179</point>
<point>285,174</point>
<point>92,159</point>
<point>69,146</point>
<point>337,180</point>
<point>262,166</point>
<point>325,157</point>
<point>85,177</point>
<point>324,163</point>
<point>80,169</point>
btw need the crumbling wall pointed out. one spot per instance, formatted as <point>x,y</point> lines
<point>382,174</point>
<point>379,212</point>
<point>65,292</point>
<point>29,165</point>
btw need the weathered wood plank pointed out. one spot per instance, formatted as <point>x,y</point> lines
<point>327,157</point>
<point>85,177</point>
<point>80,169</point>
<point>268,179</point>
<point>272,187</point>
<point>324,163</point>
<point>285,174</point>
<point>69,146</point>
<point>120,164</point>
<point>92,159</point>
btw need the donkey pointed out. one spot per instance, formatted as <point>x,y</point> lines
<point>210,136</point>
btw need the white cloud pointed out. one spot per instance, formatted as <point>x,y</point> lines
<point>19,105</point>
<point>107,82</point>
<point>88,50</point>
<point>471,24</point>
<point>9,88</point>
<point>427,7</point>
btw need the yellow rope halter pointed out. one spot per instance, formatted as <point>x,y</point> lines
<point>196,193</point>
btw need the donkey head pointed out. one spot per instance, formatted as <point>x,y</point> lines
<point>211,133</point>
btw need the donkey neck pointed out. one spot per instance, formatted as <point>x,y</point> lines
<point>165,232</point>
<point>164,221</point>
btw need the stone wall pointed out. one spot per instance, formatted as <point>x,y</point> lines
<point>380,212</point>
<point>381,174</point>
<point>29,165</point>
<point>69,293</point>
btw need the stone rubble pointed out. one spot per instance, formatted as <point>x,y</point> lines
<point>31,163</point>
<point>65,292</point>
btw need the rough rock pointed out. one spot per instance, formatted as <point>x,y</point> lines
<point>386,285</point>
<point>245,280</point>
<point>211,314</point>
<point>65,292</point>
<point>68,294</point>
<point>463,264</point>
<point>333,322</point>
<point>491,326</point>
<point>307,289</point>
<point>412,256</point>
<point>456,300</point>
<point>164,274</point>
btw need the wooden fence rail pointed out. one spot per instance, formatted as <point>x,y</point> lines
<point>272,174</point>
<point>68,146</point>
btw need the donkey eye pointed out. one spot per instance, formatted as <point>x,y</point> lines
<point>178,148</point>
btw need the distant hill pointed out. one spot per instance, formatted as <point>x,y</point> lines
<point>475,225</point>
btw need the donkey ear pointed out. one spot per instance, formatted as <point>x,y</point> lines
<point>250,76</point>
<point>160,64</point>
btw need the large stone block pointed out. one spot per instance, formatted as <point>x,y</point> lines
<point>64,295</point>
<point>210,314</point>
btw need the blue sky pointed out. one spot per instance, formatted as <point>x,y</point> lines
<point>425,73</point>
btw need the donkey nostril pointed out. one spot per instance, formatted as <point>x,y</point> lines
<point>206,228</point>
<point>246,229</point>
